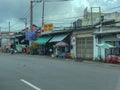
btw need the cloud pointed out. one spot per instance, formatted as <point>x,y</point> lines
<point>104,4</point>
<point>65,12</point>
<point>11,11</point>
<point>55,12</point>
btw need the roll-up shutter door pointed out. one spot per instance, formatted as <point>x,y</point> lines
<point>84,48</point>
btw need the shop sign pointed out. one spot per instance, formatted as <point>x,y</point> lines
<point>47,28</point>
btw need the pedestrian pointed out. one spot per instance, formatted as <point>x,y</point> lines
<point>50,50</point>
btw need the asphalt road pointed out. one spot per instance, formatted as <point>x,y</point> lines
<point>27,72</point>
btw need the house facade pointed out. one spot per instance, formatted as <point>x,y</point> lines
<point>82,42</point>
<point>85,39</point>
<point>108,33</point>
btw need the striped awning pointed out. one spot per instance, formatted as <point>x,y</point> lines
<point>58,38</point>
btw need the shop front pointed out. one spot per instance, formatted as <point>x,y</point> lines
<point>60,44</point>
<point>112,39</point>
<point>44,49</point>
<point>84,46</point>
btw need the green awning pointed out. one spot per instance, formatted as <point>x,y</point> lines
<point>42,40</point>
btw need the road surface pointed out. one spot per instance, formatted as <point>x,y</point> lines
<point>34,72</point>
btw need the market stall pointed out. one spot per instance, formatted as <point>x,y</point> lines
<point>61,49</point>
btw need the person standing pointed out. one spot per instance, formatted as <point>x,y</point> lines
<point>50,50</point>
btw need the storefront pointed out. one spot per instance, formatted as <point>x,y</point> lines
<point>112,38</point>
<point>84,45</point>
<point>44,49</point>
<point>60,44</point>
<point>48,42</point>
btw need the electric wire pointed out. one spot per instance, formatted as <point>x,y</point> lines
<point>111,8</point>
<point>57,20</point>
<point>16,25</point>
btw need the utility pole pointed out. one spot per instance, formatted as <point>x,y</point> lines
<point>43,4</point>
<point>25,22</point>
<point>92,14</point>
<point>31,14</point>
<point>0,36</point>
<point>100,29</point>
<point>0,31</point>
<point>9,26</point>
<point>43,9</point>
<point>31,11</point>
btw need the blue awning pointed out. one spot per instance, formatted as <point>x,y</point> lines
<point>42,40</point>
<point>58,38</point>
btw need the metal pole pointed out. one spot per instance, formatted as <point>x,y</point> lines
<point>43,13</point>
<point>92,14</point>
<point>31,14</point>
<point>0,38</point>
<point>9,26</point>
<point>100,20</point>
<point>0,31</point>
<point>91,17</point>
<point>25,22</point>
<point>100,12</point>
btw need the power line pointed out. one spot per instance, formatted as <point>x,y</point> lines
<point>57,0</point>
<point>26,13</point>
<point>36,1</point>
<point>63,19</point>
<point>14,24</point>
<point>10,26</point>
<point>18,27</point>
<point>111,8</point>
<point>34,4</point>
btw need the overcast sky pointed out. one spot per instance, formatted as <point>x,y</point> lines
<point>60,13</point>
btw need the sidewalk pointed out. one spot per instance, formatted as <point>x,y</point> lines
<point>67,59</point>
<point>85,61</point>
<point>95,62</point>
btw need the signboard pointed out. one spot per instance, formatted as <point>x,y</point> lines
<point>30,35</point>
<point>47,28</point>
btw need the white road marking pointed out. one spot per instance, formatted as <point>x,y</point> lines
<point>29,84</point>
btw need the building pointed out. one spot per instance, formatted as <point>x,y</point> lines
<point>108,32</point>
<point>96,30</point>
<point>7,38</point>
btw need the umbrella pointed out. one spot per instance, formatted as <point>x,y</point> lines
<point>62,44</point>
<point>105,45</point>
